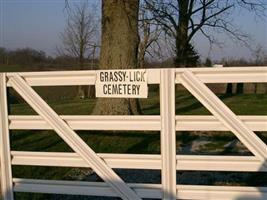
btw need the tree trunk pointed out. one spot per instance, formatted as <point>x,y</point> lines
<point>141,59</point>
<point>255,88</point>
<point>90,92</point>
<point>119,45</point>
<point>81,93</point>
<point>239,88</point>
<point>181,40</point>
<point>143,45</point>
<point>229,88</point>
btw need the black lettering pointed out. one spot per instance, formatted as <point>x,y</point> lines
<point>105,89</point>
<point>111,79</point>
<point>138,76</point>
<point>120,89</point>
<point>138,89</point>
<point>123,76</point>
<point>119,76</point>
<point>114,89</point>
<point>102,76</point>
<point>115,76</point>
<point>133,89</point>
<point>109,89</point>
<point>123,88</point>
<point>106,76</point>
<point>130,77</point>
<point>128,89</point>
<point>143,77</point>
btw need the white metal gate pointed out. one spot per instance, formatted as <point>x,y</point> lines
<point>193,79</point>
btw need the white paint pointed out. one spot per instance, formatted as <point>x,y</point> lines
<point>217,65</point>
<point>5,157</point>
<point>142,161</point>
<point>166,122</point>
<point>72,139</point>
<point>186,192</point>
<point>134,122</point>
<point>168,134</point>
<point>224,115</point>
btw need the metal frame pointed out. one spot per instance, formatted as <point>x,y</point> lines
<point>168,162</point>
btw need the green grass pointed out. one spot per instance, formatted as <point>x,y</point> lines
<point>118,142</point>
<point>65,107</point>
<point>242,104</point>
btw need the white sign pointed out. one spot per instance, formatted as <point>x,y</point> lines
<point>121,83</point>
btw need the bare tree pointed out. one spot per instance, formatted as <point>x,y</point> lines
<point>258,57</point>
<point>3,56</point>
<point>149,34</point>
<point>79,37</point>
<point>182,19</point>
<point>119,46</point>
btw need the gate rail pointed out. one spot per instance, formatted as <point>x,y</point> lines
<point>193,79</point>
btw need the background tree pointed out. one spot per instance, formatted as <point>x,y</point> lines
<point>258,57</point>
<point>119,47</point>
<point>26,57</point>
<point>3,56</point>
<point>208,62</point>
<point>79,37</point>
<point>149,34</point>
<point>182,19</point>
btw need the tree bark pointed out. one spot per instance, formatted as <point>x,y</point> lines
<point>229,88</point>
<point>182,35</point>
<point>119,46</point>
<point>239,88</point>
<point>255,88</point>
<point>81,88</point>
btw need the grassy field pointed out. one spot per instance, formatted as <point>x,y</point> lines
<point>124,142</point>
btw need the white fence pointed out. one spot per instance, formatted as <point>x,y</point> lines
<point>222,119</point>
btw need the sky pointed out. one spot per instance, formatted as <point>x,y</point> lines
<point>38,24</point>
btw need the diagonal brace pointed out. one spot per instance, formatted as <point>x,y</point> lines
<point>72,139</point>
<point>224,114</point>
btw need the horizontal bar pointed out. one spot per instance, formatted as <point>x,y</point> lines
<point>198,192</point>
<point>227,74</point>
<point>144,122</point>
<point>220,163</point>
<point>81,188</point>
<point>70,78</point>
<point>210,123</point>
<point>203,192</point>
<point>206,75</point>
<point>142,161</point>
<point>83,122</point>
<point>130,161</point>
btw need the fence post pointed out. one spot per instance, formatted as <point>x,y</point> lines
<point>5,156</point>
<point>168,134</point>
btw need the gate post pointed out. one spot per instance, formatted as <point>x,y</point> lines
<point>5,156</point>
<point>168,133</point>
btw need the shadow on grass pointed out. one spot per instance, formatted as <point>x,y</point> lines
<point>196,104</point>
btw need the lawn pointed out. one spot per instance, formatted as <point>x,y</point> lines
<point>122,142</point>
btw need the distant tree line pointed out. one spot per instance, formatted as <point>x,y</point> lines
<point>24,56</point>
<point>32,59</point>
